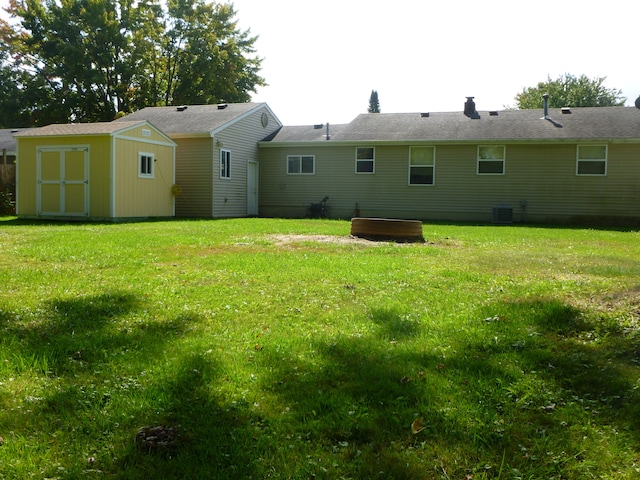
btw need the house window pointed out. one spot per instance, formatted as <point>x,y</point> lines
<point>365,160</point>
<point>145,165</point>
<point>592,160</point>
<point>422,161</point>
<point>491,160</point>
<point>225,164</point>
<point>301,164</point>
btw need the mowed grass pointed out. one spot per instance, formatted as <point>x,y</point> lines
<point>284,349</point>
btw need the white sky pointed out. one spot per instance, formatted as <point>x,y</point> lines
<point>323,58</point>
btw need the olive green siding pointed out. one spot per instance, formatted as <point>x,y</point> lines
<point>194,171</point>
<point>241,139</point>
<point>203,192</point>
<point>539,183</point>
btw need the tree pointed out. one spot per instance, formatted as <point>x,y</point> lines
<point>91,59</point>
<point>374,103</point>
<point>570,91</point>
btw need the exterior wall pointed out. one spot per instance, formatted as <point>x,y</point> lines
<point>540,183</point>
<point>99,154</point>
<point>194,176</point>
<point>241,139</point>
<point>139,197</point>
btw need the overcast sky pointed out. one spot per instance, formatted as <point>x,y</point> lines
<point>323,58</point>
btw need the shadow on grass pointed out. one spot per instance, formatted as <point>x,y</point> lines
<point>83,421</point>
<point>517,393</point>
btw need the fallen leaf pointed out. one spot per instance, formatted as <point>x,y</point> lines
<point>416,426</point>
<point>404,380</point>
<point>440,366</point>
<point>258,347</point>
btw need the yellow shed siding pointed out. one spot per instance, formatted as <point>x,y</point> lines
<point>138,196</point>
<point>100,176</point>
<point>98,171</point>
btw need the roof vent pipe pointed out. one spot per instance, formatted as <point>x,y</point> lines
<point>328,136</point>
<point>545,106</point>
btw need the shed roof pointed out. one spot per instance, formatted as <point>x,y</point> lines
<point>194,119</point>
<point>587,123</point>
<point>63,129</point>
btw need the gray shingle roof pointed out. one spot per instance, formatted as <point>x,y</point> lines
<point>7,142</point>
<point>588,123</point>
<point>195,119</point>
<point>78,129</point>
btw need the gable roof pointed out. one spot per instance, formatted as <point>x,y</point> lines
<point>196,119</point>
<point>63,129</point>
<point>576,124</point>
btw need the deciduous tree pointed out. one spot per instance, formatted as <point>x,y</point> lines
<point>91,59</point>
<point>570,91</point>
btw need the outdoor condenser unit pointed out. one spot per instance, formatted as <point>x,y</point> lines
<point>502,214</point>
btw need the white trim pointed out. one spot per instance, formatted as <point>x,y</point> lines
<point>592,160</point>
<point>248,113</point>
<point>372,160</point>
<point>142,140</point>
<point>300,172</point>
<point>62,181</point>
<point>112,180</point>
<point>227,164</point>
<point>503,159</point>
<point>152,166</point>
<point>433,182</point>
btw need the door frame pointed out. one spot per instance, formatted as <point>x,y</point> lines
<point>62,181</point>
<point>253,185</point>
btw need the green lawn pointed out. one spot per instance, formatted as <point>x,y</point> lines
<point>283,349</point>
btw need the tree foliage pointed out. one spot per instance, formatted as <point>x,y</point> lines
<point>87,60</point>
<point>570,91</point>
<point>374,103</point>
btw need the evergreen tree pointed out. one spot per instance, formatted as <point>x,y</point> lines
<point>374,103</point>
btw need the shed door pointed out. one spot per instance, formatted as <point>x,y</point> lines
<point>63,181</point>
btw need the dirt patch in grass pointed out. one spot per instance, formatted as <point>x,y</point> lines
<point>282,239</point>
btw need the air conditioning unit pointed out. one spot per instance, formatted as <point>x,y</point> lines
<point>502,214</point>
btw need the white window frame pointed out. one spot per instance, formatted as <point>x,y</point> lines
<point>225,164</point>
<point>146,162</point>
<point>299,169</point>
<point>485,160</point>
<point>603,161</point>
<point>362,160</point>
<point>432,166</point>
